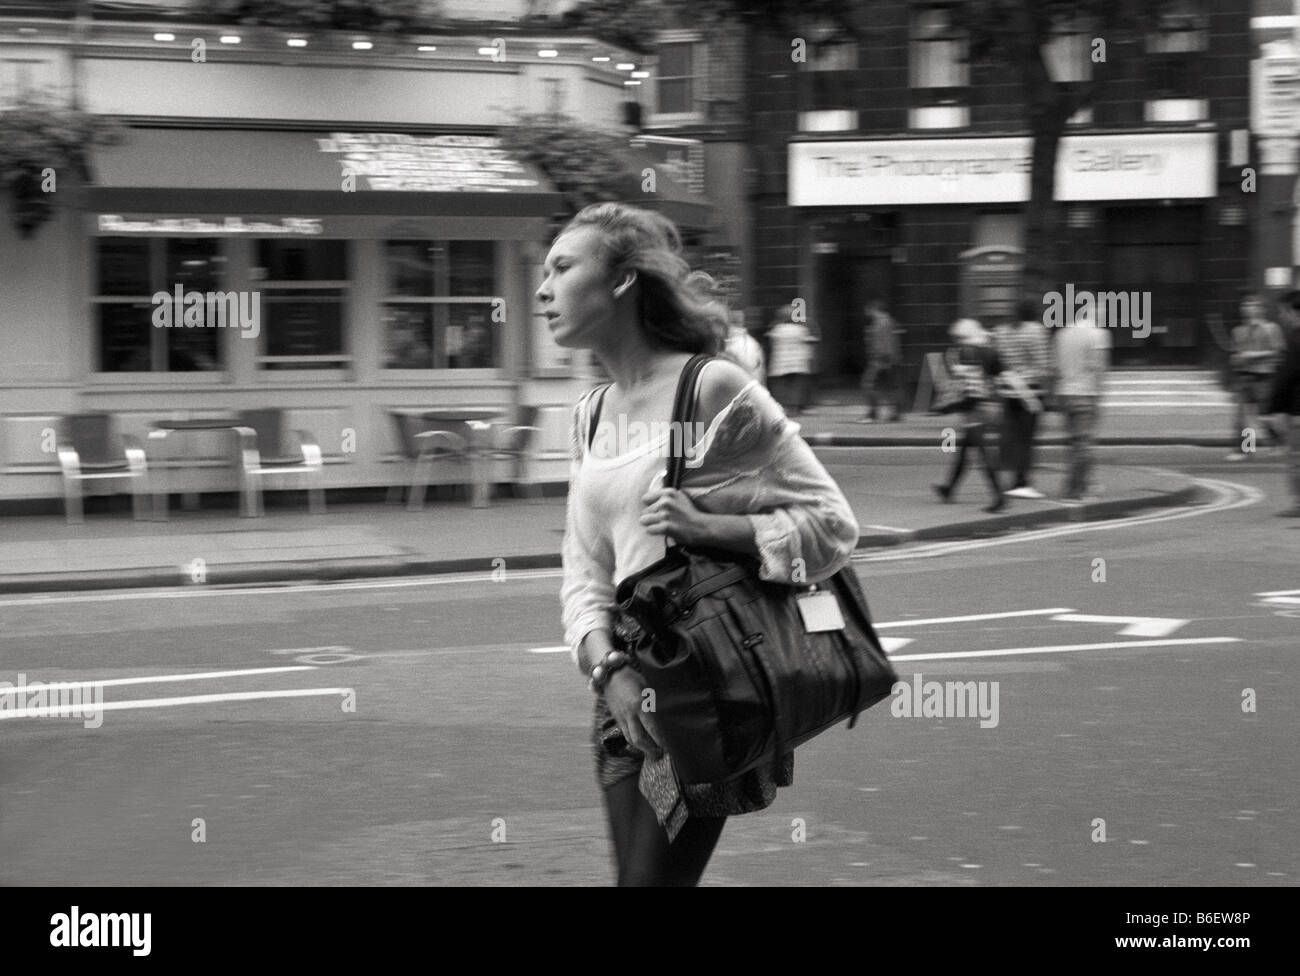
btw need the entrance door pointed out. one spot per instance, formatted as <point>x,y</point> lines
<point>845,284</point>
<point>1154,255</point>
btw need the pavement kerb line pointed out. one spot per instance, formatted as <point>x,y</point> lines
<point>365,568</point>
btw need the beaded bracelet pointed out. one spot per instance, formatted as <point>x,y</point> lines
<point>600,674</point>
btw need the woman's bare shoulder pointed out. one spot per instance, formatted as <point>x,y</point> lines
<point>720,383</point>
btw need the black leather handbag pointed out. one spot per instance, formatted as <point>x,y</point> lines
<point>739,678</point>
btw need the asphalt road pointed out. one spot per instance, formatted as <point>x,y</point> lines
<point>440,739</point>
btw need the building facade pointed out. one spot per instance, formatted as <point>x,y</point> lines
<point>318,221</point>
<point>894,166</point>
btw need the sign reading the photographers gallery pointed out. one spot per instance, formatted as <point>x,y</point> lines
<point>1140,166</point>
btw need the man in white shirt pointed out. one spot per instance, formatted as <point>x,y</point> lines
<point>1082,359</point>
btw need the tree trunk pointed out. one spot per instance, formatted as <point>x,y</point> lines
<point>1049,107</point>
<point>1043,213</point>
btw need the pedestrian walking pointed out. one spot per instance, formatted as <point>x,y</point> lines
<point>884,355</point>
<point>737,344</point>
<point>743,349</point>
<point>1024,352</point>
<point>1082,357</point>
<point>973,367</point>
<point>614,283</point>
<point>1285,399</point>
<point>790,362</point>
<point>1257,346</point>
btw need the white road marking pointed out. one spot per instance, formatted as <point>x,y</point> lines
<point>235,590</point>
<point>974,616</point>
<point>61,711</point>
<point>169,678</point>
<point>891,644</point>
<point>1135,626</point>
<point>327,649</point>
<point>1065,648</point>
<point>1281,597</point>
<point>559,649</point>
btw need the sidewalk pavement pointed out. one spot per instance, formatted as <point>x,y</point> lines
<point>892,499</point>
<point>837,419</point>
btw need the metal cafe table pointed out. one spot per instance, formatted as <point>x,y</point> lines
<point>161,430</point>
<point>473,424</point>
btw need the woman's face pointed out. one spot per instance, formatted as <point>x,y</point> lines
<point>577,293</point>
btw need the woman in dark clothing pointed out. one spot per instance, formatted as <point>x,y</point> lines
<point>973,363</point>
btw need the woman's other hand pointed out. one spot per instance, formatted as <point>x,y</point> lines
<point>623,695</point>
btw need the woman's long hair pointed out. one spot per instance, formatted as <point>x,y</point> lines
<point>672,315</point>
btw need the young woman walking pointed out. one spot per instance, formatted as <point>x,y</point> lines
<point>615,283</point>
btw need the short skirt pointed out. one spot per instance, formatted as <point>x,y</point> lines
<point>673,803</point>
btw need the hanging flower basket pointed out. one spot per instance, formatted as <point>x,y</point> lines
<point>44,147</point>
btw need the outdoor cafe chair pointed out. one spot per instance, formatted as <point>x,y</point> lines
<point>265,451</point>
<point>89,450</point>
<point>424,449</point>
<point>516,444</point>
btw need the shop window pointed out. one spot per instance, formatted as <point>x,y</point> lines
<point>441,308</point>
<point>138,335</point>
<point>937,49</point>
<point>679,79</point>
<point>304,289</point>
<point>1068,55</point>
<point>939,69</point>
<point>828,120</point>
<point>1184,29</point>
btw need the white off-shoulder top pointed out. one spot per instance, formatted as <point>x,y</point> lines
<point>749,461</point>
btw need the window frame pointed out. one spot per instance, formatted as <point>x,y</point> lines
<point>386,298</point>
<point>315,365</point>
<point>938,95</point>
<point>697,78</point>
<point>159,347</point>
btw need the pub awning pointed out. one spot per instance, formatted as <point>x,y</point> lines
<point>211,171</point>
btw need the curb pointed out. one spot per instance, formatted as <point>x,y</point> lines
<point>339,570</point>
<point>928,440</point>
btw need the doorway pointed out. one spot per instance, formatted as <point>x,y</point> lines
<point>845,284</point>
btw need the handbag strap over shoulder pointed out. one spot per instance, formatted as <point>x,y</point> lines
<point>684,404</point>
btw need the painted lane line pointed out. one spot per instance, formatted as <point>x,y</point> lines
<point>1065,648</point>
<point>974,616</point>
<point>559,649</point>
<point>59,711</point>
<point>1135,626</point>
<point>1281,597</point>
<point>169,678</point>
<point>235,590</point>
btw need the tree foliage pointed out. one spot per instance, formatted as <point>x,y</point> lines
<point>634,23</point>
<point>367,15</point>
<point>584,163</point>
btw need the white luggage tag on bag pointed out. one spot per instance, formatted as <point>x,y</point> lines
<point>820,611</point>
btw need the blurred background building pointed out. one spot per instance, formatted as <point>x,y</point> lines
<point>361,167</point>
<point>352,178</point>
